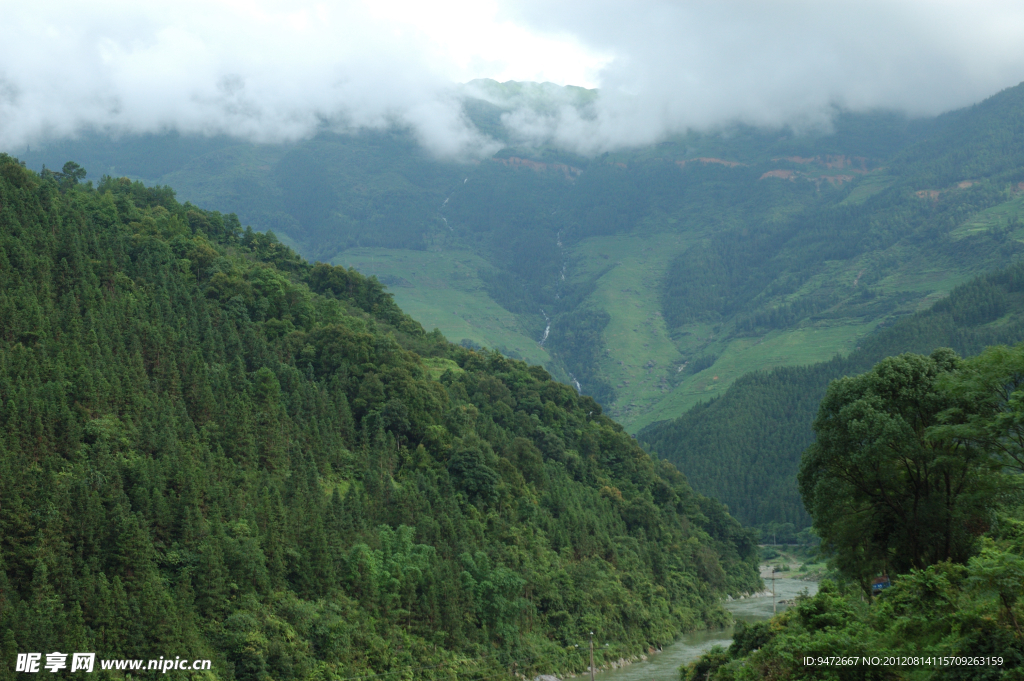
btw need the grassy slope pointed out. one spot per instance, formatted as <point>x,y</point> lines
<point>1003,216</point>
<point>442,289</point>
<point>639,354</point>
<point>641,357</point>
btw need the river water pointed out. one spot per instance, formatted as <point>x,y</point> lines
<point>664,666</point>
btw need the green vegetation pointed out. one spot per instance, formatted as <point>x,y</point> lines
<point>792,562</point>
<point>751,246</point>
<point>210,445</point>
<point>885,493</point>
<point>211,448</point>
<point>667,274</point>
<point>944,611</point>
<point>744,448</point>
<point>915,476</point>
<point>444,290</point>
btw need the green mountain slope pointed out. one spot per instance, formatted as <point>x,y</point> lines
<point>210,448</point>
<point>661,275</point>
<point>744,447</point>
<point>915,489</point>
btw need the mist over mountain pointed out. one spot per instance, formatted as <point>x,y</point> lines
<point>276,72</point>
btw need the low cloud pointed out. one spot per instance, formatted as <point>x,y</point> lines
<point>266,74</point>
<point>678,66</point>
<point>270,72</point>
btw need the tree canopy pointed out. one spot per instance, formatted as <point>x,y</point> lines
<point>914,474</point>
<point>210,447</point>
<point>885,492</point>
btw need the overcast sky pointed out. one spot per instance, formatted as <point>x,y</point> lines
<point>277,70</point>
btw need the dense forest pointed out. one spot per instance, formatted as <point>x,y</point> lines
<point>915,475</point>
<point>211,448</point>
<point>744,448</point>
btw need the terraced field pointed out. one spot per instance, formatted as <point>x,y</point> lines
<point>1005,216</point>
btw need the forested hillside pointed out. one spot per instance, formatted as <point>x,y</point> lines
<point>653,278</point>
<point>744,448</point>
<point>914,485</point>
<point>211,448</point>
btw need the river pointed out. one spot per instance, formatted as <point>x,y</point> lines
<point>664,666</point>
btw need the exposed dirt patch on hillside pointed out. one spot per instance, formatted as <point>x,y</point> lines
<point>781,174</point>
<point>836,180</point>
<point>707,160</point>
<point>855,164</point>
<point>571,172</point>
<point>934,194</point>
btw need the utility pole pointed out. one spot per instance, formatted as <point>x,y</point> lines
<point>591,656</point>
<point>773,591</point>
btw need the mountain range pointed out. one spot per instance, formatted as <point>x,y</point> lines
<point>651,279</point>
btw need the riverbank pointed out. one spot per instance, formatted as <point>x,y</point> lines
<point>792,562</point>
<point>664,665</point>
<point>621,663</point>
<point>757,594</point>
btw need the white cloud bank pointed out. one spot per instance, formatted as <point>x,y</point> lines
<point>271,72</point>
<point>700,64</point>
